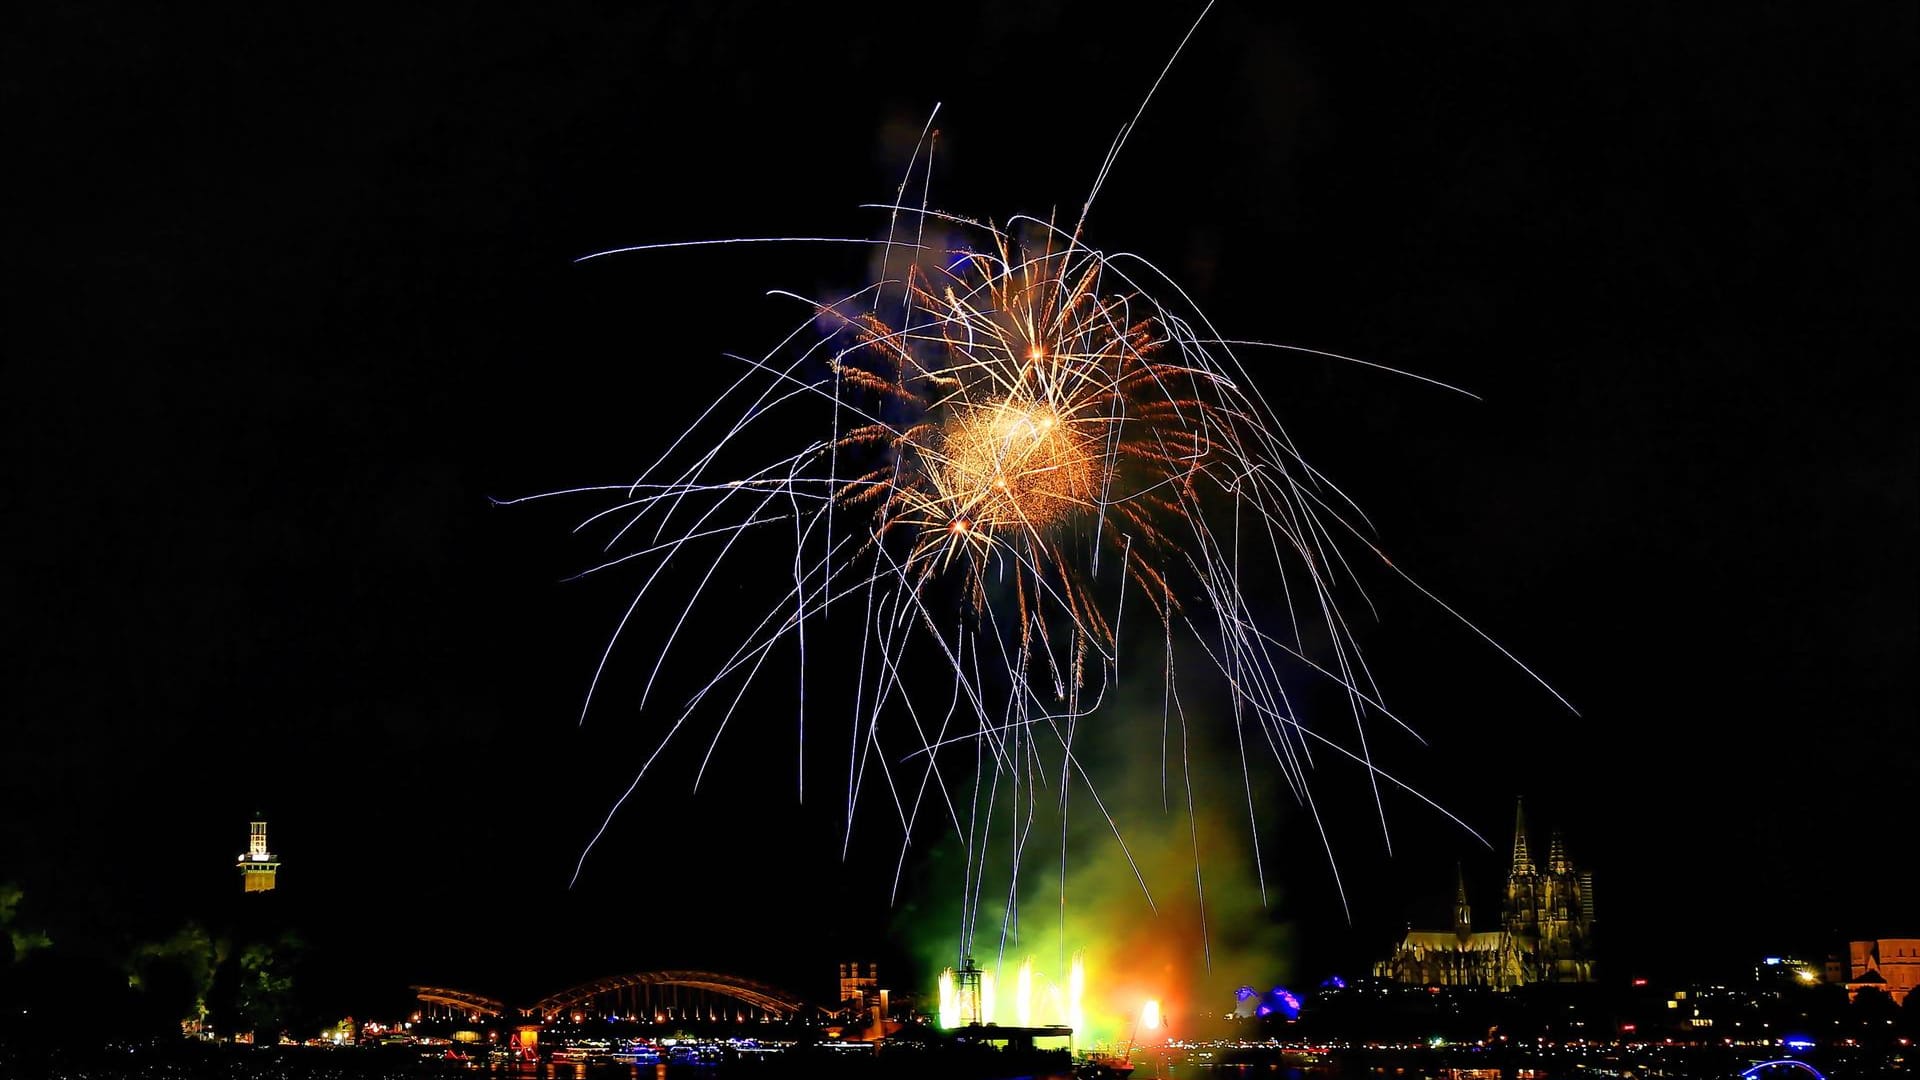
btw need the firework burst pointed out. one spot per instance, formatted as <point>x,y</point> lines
<point>1029,453</point>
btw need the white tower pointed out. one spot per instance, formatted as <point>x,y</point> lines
<point>258,867</point>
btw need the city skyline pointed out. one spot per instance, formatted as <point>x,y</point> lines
<point>302,302</point>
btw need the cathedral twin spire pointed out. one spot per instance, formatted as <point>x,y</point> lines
<point>1557,861</point>
<point>1545,936</point>
<point>1522,859</point>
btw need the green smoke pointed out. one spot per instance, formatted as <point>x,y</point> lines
<point>1148,923</point>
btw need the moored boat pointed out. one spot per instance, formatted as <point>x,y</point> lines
<point>1102,1065</point>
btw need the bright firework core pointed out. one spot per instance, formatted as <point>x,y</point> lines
<point>1013,464</point>
<point>1034,394</point>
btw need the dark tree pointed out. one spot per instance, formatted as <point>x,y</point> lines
<point>1908,1022</point>
<point>22,940</point>
<point>263,1000</point>
<point>1873,1009</point>
<point>175,976</point>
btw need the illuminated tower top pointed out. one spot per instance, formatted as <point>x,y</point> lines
<point>1557,862</point>
<point>1522,859</point>
<point>258,867</point>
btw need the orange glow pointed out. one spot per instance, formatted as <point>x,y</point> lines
<point>1013,465</point>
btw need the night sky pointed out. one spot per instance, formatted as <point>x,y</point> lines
<point>293,298</point>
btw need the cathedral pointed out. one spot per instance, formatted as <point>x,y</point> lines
<point>1545,935</point>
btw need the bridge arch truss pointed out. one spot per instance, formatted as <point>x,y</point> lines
<point>444,1001</point>
<point>660,996</point>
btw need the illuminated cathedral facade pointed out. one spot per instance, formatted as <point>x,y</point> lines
<point>1545,935</point>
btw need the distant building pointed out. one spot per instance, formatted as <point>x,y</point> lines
<point>859,986</point>
<point>1889,964</point>
<point>258,867</point>
<point>1545,935</point>
<point>1776,972</point>
<point>1834,970</point>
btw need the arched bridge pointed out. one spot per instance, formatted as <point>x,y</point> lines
<point>459,1001</point>
<point>660,993</point>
